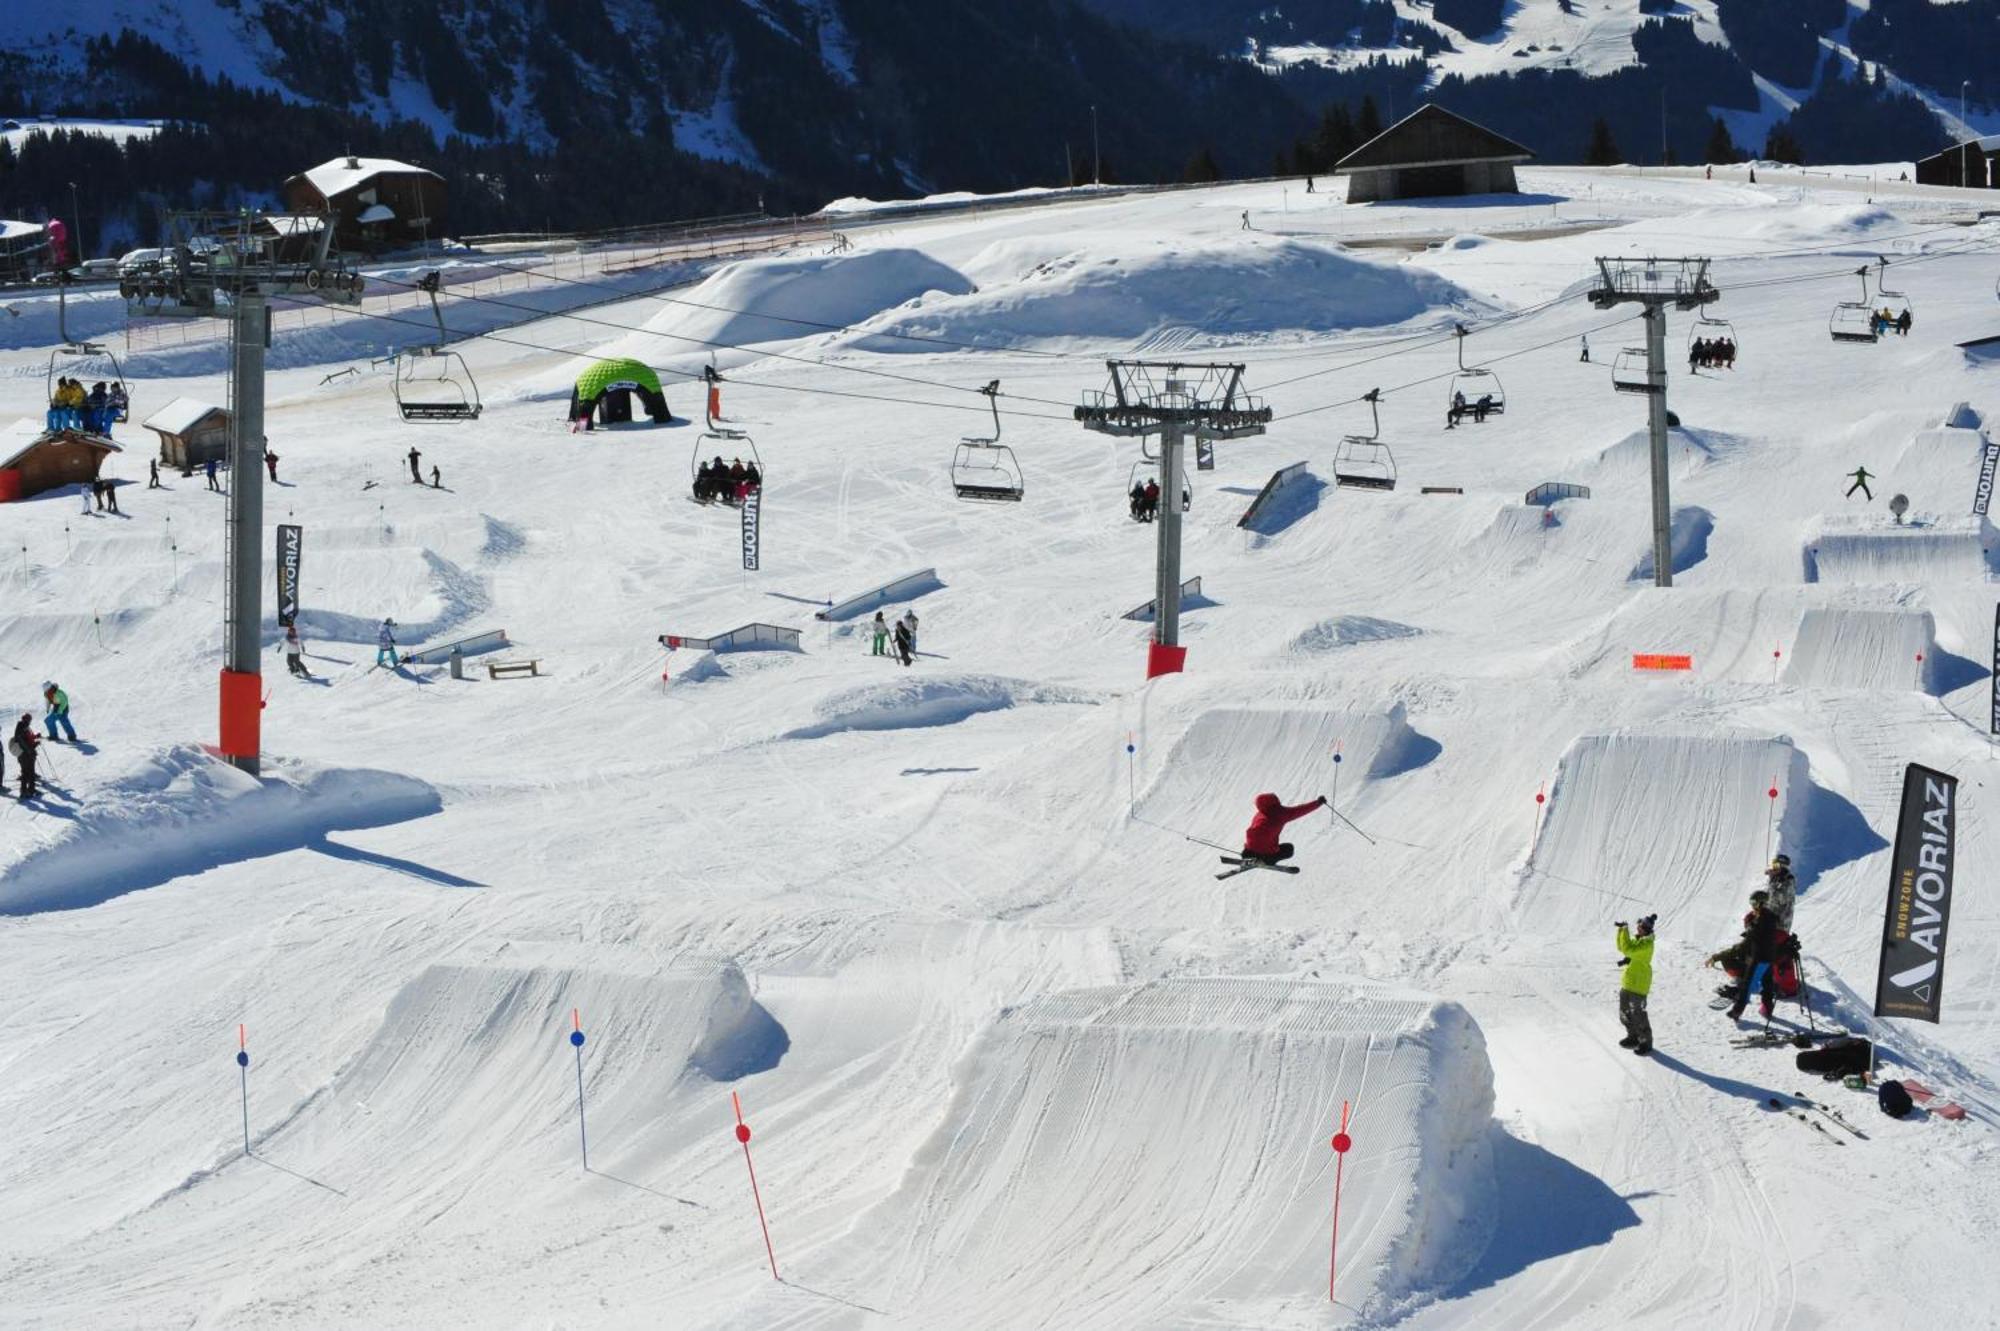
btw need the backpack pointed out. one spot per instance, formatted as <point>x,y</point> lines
<point>1894,1099</point>
<point>1785,970</point>
<point>1836,1058</point>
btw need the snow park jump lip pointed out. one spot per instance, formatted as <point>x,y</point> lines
<point>1190,1118</point>
<point>218,815</point>
<point>929,700</point>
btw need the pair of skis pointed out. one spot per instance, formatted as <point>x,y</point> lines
<point>1246,865</point>
<point>1804,1108</point>
<point>1780,1039</point>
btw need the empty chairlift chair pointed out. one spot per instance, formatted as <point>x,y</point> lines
<point>1475,393</point>
<point>433,384</point>
<point>1364,462</point>
<point>1628,371</point>
<point>983,468</point>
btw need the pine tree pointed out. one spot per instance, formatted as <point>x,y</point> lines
<point>1201,167</point>
<point>1336,137</point>
<point>1782,147</point>
<point>1603,150</point>
<point>1369,123</point>
<point>1721,148</point>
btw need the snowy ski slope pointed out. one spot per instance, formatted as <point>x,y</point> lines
<point>1011,1055</point>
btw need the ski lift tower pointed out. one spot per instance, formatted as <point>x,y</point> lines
<point>230,266</point>
<point>1656,284</point>
<point>1175,402</point>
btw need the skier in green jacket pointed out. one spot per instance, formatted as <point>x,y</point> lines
<point>1635,950</point>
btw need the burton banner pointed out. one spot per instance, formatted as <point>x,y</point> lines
<point>1982,494</point>
<point>1911,981</point>
<point>753,502</point>
<point>290,540</point>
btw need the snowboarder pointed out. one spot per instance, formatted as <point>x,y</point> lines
<point>58,713</point>
<point>385,645</point>
<point>1761,937</point>
<point>436,484</point>
<point>1260,839</point>
<point>1778,881</point>
<point>904,647</point>
<point>271,464</point>
<point>23,749</point>
<point>210,469</point>
<point>295,651</point>
<point>910,623</point>
<point>416,477</point>
<point>1861,479</point>
<point>1635,955</point>
<point>1585,344</point>
<point>880,628</point>
<point>153,474</point>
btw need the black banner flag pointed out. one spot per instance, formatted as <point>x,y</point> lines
<point>290,538</point>
<point>1982,494</point>
<point>752,503</point>
<point>1911,980</point>
<point>1995,678</point>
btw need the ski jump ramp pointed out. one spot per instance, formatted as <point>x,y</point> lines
<point>1867,550</point>
<point>1844,648</point>
<point>1158,1154</point>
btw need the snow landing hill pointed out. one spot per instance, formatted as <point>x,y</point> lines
<point>948,934</point>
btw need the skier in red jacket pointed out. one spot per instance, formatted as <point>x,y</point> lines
<point>1261,842</point>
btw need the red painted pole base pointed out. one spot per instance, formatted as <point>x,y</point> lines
<point>1164,660</point>
<point>242,714</point>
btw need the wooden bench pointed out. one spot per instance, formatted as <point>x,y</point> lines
<point>505,669</point>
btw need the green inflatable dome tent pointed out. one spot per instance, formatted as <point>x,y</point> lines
<point>604,393</point>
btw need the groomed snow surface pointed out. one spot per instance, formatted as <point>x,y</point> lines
<point>948,935</point>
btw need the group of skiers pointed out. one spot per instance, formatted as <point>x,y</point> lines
<point>1764,960</point>
<point>1885,320</point>
<point>25,745</point>
<point>1712,353</point>
<point>93,411</point>
<point>730,482</point>
<point>1145,500</point>
<point>902,635</point>
<point>1479,409</point>
<point>103,491</point>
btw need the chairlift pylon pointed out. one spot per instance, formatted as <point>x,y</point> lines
<point>1364,462</point>
<point>1474,392</point>
<point>729,440</point>
<point>432,383</point>
<point>983,468</point>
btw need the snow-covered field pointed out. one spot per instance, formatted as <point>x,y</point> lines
<point>1011,1056</point>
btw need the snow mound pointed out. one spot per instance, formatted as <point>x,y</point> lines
<point>784,299</point>
<point>1677,824</point>
<point>183,813</point>
<point>1156,1154</point>
<point>926,700</point>
<point>1845,648</point>
<point>1286,749</point>
<point>1867,550</point>
<point>1123,290</point>
<point>1687,542</point>
<point>1330,635</point>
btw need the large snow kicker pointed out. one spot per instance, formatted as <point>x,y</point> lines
<point>1842,647</point>
<point>1158,1154</point>
<point>1869,550</point>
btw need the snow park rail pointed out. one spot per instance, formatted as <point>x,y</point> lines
<point>1280,478</point>
<point>491,641</point>
<point>1191,599</point>
<point>749,638</point>
<point>906,588</point>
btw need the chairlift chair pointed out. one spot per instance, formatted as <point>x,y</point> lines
<point>433,384</point>
<point>1363,461</point>
<point>1471,385</point>
<point>983,468</point>
<point>724,440</point>
<point>1859,320</point>
<point>1629,371</point>
<point>1706,329</point>
<point>1147,469</point>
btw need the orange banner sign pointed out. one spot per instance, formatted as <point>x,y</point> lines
<point>1661,661</point>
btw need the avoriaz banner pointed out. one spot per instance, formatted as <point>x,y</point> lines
<point>290,541</point>
<point>1911,981</point>
<point>752,503</point>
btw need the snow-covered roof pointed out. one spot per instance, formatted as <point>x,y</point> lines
<point>179,416</point>
<point>376,212</point>
<point>346,173</point>
<point>10,229</point>
<point>21,438</point>
<point>291,224</point>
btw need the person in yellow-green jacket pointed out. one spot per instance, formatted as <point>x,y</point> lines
<point>1635,954</point>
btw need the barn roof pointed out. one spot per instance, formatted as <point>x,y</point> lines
<point>1989,143</point>
<point>26,435</point>
<point>1432,136</point>
<point>345,173</point>
<point>179,416</point>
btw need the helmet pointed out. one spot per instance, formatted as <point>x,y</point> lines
<point>47,685</point>
<point>1781,861</point>
<point>1759,897</point>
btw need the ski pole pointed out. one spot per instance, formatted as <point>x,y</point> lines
<point>1350,822</point>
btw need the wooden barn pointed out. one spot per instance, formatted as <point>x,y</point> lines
<point>192,432</point>
<point>1431,154</point>
<point>1974,163</point>
<point>376,203</point>
<point>32,462</point>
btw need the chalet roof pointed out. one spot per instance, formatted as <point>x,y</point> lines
<point>26,435</point>
<point>346,173</point>
<point>1988,143</point>
<point>1432,136</point>
<point>180,415</point>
